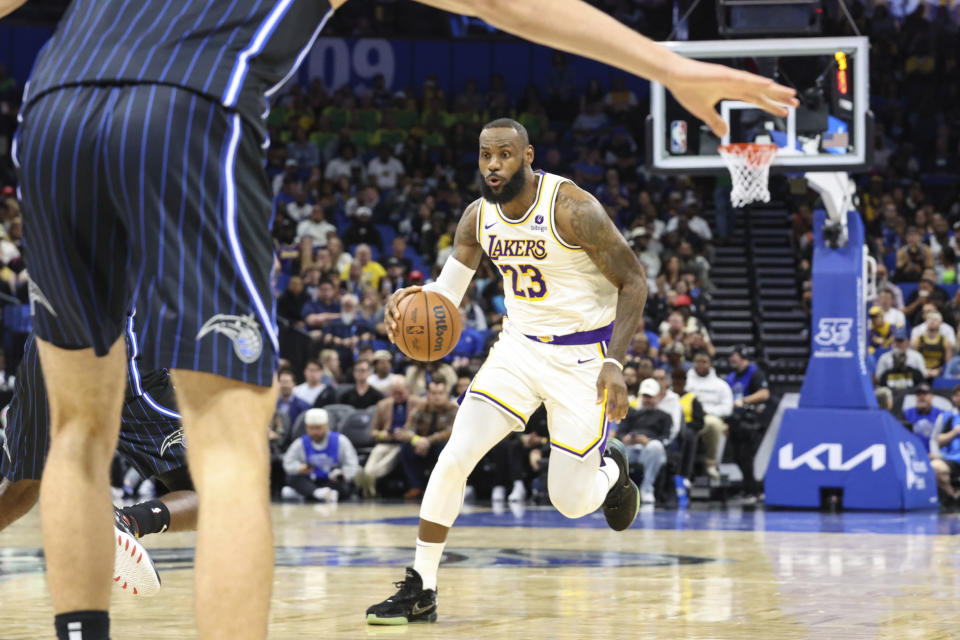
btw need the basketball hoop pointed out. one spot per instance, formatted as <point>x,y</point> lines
<point>749,166</point>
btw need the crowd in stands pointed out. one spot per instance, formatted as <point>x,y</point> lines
<point>370,182</point>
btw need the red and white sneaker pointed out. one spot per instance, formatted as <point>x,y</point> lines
<point>133,570</point>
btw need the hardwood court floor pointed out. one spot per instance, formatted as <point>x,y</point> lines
<point>677,574</point>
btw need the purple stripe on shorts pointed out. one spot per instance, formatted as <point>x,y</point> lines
<point>603,334</point>
<point>603,440</point>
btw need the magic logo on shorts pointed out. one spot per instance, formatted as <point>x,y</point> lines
<point>174,438</point>
<point>36,295</point>
<point>242,330</point>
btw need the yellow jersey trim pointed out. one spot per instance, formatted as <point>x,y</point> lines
<point>553,224</point>
<point>480,223</point>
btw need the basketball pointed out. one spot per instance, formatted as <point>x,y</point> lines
<point>429,326</point>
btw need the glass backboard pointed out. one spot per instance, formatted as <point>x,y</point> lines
<point>831,130</point>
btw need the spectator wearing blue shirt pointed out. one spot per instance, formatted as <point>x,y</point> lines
<point>947,466</point>
<point>469,345</point>
<point>346,332</point>
<point>319,312</point>
<point>302,150</point>
<point>321,464</point>
<point>952,370</point>
<point>287,403</point>
<point>890,235</point>
<point>651,335</point>
<point>287,183</point>
<point>589,170</point>
<point>615,199</point>
<point>923,416</point>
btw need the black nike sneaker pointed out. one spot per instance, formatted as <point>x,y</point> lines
<point>412,603</point>
<point>623,500</point>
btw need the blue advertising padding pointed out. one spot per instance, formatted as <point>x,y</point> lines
<point>432,57</point>
<point>471,60</point>
<point>21,44</point>
<point>512,61</point>
<point>837,438</point>
<point>867,454</point>
<point>837,374</point>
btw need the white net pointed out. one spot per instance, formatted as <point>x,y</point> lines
<point>749,166</point>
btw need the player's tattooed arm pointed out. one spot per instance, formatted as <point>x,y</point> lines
<point>583,222</point>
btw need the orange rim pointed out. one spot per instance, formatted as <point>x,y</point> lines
<point>753,154</point>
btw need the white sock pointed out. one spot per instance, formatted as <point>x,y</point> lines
<point>426,561</point>
<point>611,471</point>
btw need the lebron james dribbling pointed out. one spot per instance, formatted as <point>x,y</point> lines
<point>574,295</point>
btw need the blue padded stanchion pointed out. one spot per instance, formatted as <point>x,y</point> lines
<point>837,439</point>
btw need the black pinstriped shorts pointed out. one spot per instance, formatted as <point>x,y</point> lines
<point>156,195</point>
<point>151,436</point>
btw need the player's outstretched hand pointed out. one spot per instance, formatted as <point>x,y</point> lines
<point>698,86</point>
<point>392,314</point>
<point>610,384</point>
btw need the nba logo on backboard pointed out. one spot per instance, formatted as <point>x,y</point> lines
<point>678,136</point>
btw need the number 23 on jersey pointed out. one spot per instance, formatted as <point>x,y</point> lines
<point>526,279</point>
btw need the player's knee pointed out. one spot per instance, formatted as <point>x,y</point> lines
<point>450,467</point>
<point>567,499</point>
<point>81,443</point>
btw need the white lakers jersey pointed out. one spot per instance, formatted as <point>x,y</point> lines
<point>551,288</point>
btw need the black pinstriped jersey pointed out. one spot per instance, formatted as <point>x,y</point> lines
<point>235,52</point>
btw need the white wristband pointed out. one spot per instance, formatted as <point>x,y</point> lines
<point>453,280</point>
<point>613,362</point>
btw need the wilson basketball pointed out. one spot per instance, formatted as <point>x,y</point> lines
<point>429,326</point>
